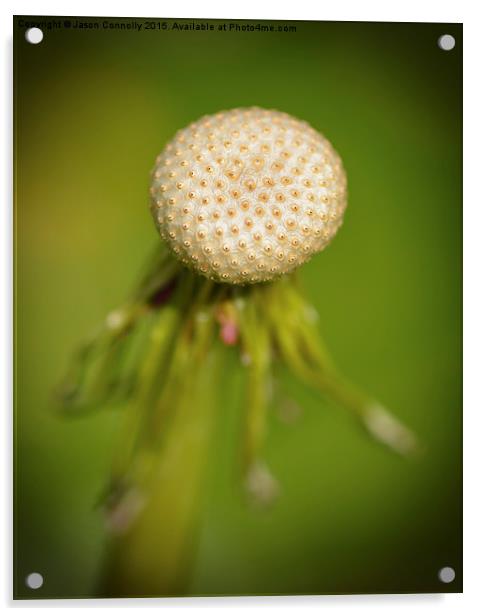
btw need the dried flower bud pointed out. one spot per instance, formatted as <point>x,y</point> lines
<point>246,195</point>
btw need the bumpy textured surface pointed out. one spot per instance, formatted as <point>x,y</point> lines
<point>246,195</point>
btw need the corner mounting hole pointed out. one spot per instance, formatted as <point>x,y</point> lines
<point>446,575</point>
<point>446,42</point>
<point>34,581</point>
<point>34,35</point>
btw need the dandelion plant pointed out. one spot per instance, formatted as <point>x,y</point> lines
<point>241,199</point>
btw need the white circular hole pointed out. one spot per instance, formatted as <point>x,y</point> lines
<point>446,42</point>
<point>34,35</point>
<point>446,575</point>
<point>34,581</point>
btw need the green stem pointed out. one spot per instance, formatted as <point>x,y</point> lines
<point>152,553</point>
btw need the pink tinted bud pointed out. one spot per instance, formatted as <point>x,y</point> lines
<point>229,333</point>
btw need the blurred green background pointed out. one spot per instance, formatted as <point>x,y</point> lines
<point>93,108</point>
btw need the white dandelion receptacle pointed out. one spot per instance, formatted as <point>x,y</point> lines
<point>246,195</point>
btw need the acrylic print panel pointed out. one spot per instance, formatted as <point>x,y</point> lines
<point>238,307</point>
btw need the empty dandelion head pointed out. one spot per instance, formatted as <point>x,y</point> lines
<point>246,195</point>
